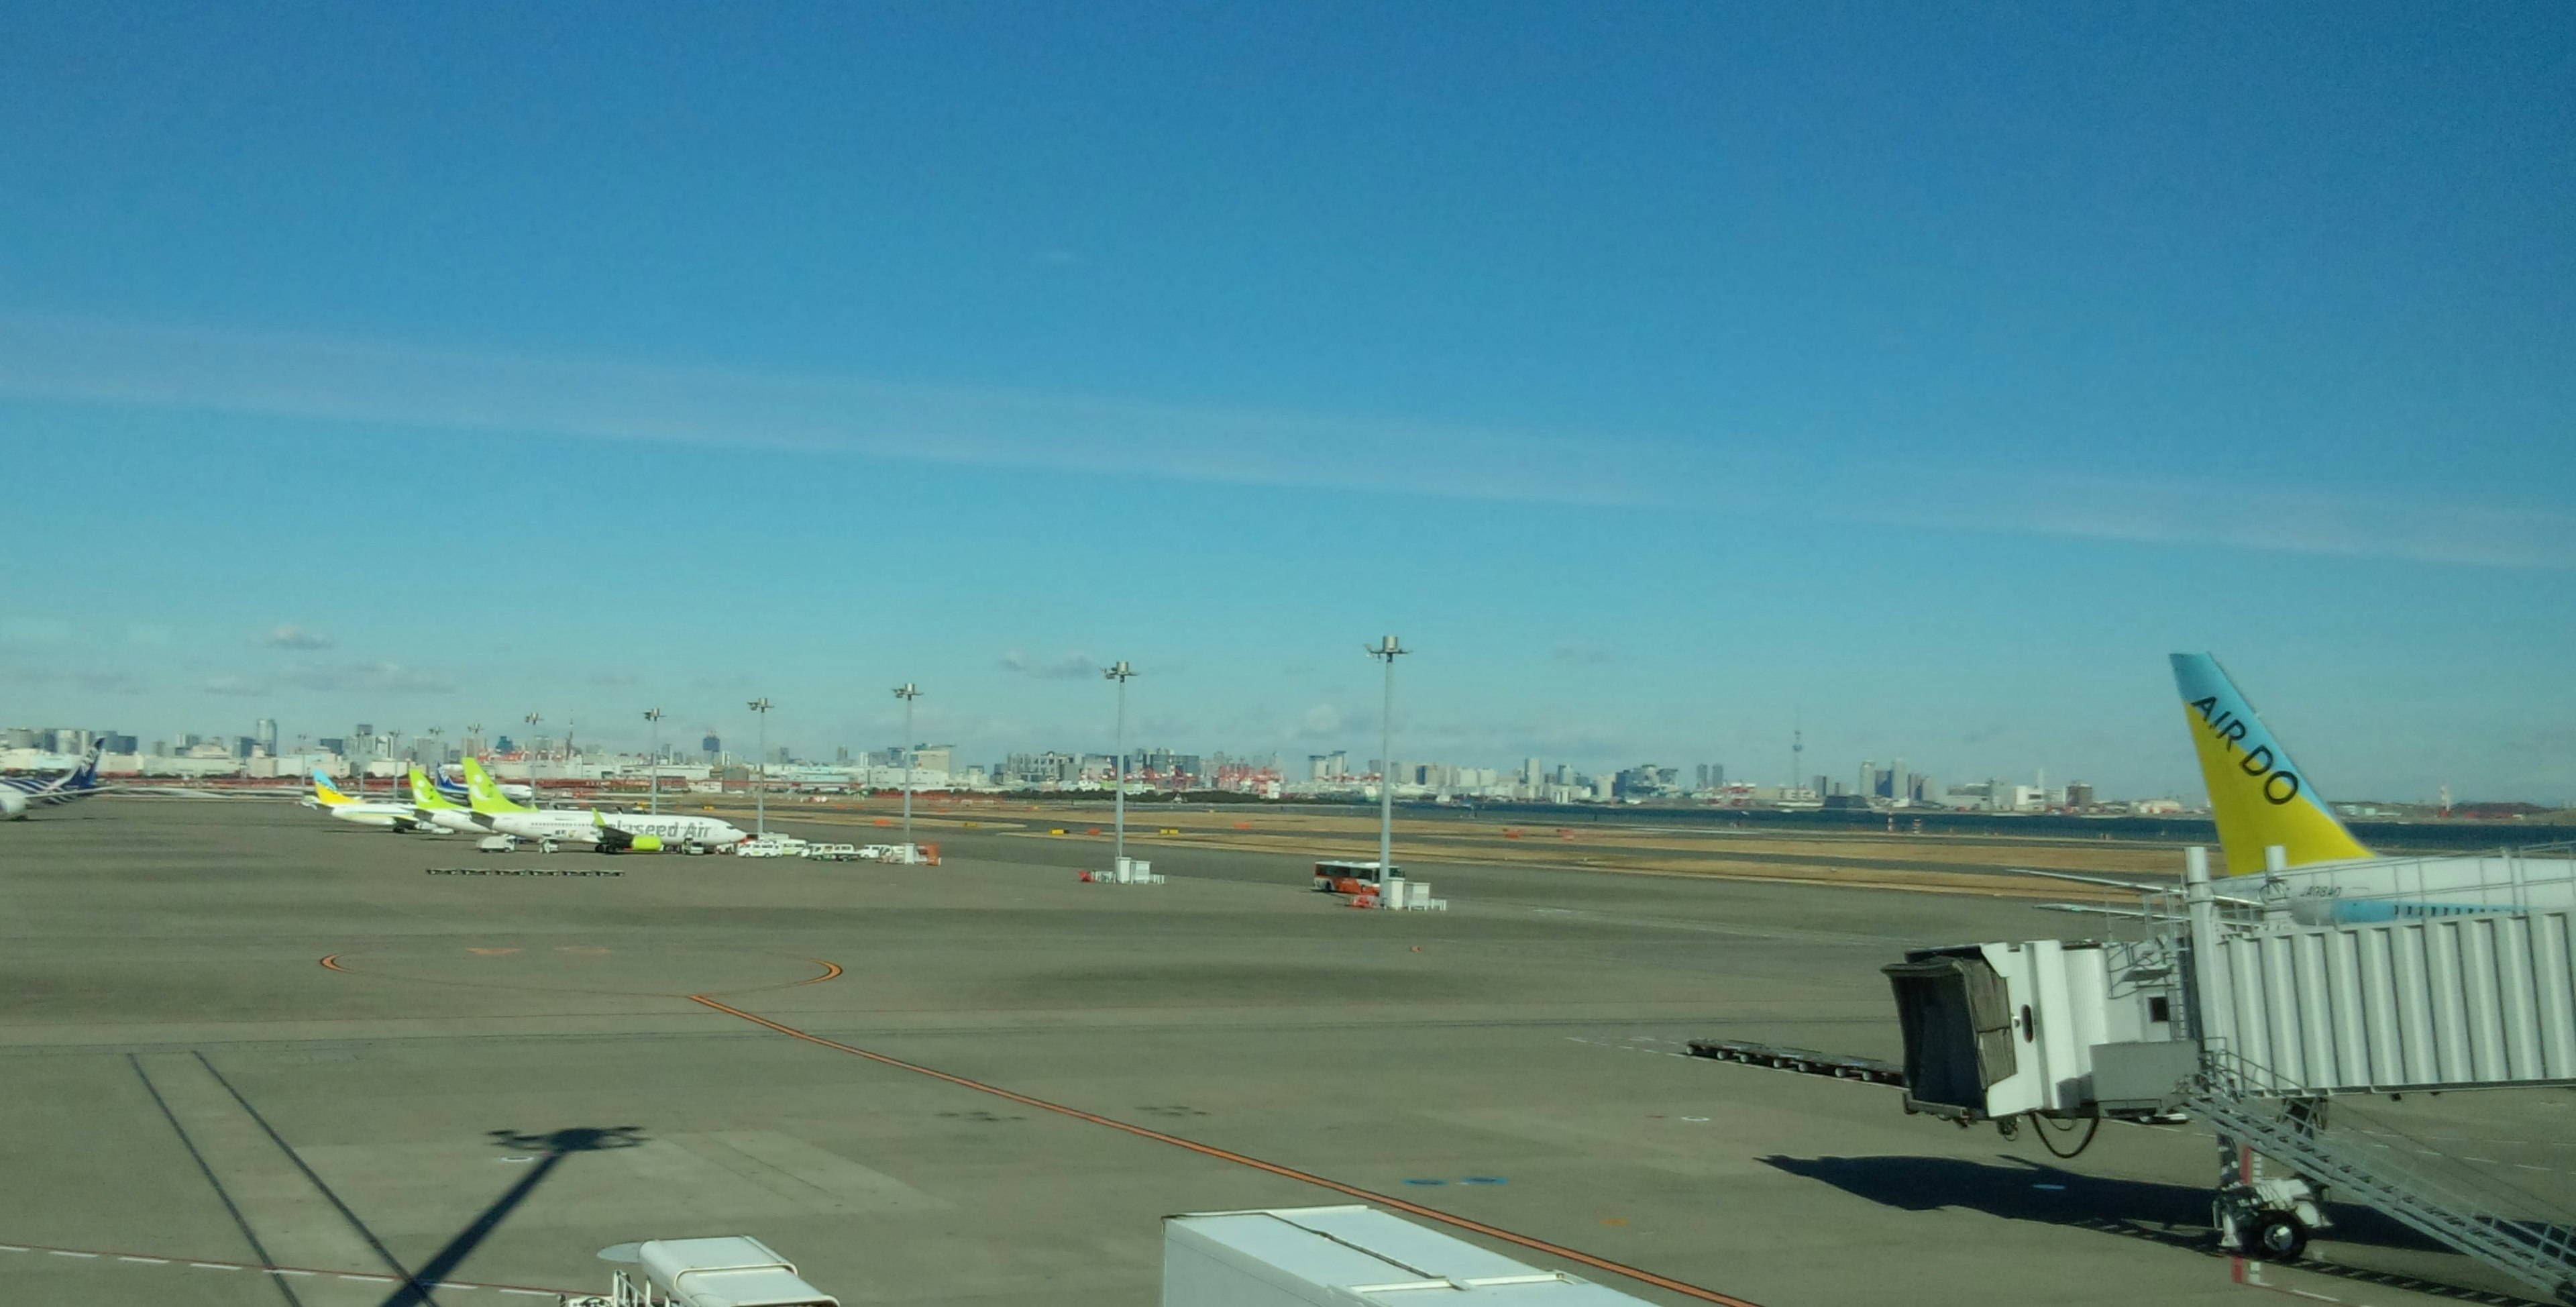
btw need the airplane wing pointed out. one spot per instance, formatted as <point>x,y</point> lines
<point>2135,887</point>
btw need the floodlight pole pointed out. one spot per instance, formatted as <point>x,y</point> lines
<point>1118,823</point>
<point>653,765</point>
<point>1386,651</point>
<point>907,692</point>
<point>760,796</point>
<point>529,751</point>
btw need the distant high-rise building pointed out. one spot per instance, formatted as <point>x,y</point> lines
<point>2079,795</point>
<point>711,746</point>
<point>266,732</point>
<point>1530,772</point>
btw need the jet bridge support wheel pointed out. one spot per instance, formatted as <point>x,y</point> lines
<point>2278,1236</point>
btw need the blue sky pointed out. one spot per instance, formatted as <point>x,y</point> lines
<point>1671,376</point>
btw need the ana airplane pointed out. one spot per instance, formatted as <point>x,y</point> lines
<point>21,794</point>
<point>610,832</point>
<point>450,781</point>
<point>390,816</point>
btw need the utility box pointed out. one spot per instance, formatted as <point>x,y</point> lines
<point>1347,1257</point>
<point>730,1271</point>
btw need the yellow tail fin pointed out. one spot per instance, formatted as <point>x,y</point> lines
<point>2258,797</point>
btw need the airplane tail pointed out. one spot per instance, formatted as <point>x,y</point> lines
<point>325,793</point>
<point>85,776</point>
<point>2258,797</point>
<point>485,794</point>
<point>425,795</point>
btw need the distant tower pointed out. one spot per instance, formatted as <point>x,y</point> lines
<point>1797,756</point>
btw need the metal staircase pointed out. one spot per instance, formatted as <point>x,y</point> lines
<point>2463,1211</point>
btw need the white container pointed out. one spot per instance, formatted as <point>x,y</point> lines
<point>733,1271</point>
<point>1347,1257</point>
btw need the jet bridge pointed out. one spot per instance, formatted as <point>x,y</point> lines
<point>2254,1013</point>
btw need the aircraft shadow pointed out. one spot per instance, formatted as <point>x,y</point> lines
<point>551,1150</point>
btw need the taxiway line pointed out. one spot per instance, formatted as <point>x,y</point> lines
<point>1638,1274</point>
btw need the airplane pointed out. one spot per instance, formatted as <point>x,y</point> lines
<point>609,832</point>
<point>453,786</point>
<point>399,817</point>
<point>433,806</point>
<point>20,794</point>
<point>2275,827</point>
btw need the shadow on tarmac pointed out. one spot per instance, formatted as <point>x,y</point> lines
<point>2011,1187</point>
<point>552,1149</point>
<point>2170,1214</point>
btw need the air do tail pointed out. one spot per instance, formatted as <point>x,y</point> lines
<point>484,795</point>
<point>325,793</point>
<point>2258,797</point>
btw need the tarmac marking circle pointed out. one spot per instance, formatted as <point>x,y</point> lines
<point>589,969</point>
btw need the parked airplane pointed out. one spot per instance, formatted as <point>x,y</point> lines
<point>610,832</point>
<point>450,781</point>
<point>2273,825</point>
<point>434,807</point>
<point>2272,822</point>
<point>21,794</point>
<point>390,816</point>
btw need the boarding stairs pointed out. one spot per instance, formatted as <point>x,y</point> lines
<point>2481,1218</point>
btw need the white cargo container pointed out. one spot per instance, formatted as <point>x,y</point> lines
<point>730,1271</point>
<point>1345,1257</point>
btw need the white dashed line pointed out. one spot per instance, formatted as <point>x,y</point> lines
<point>355,1277</point>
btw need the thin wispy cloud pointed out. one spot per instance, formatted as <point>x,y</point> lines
<point>293,637</point>
<point>370,678</point>
<point>1064,667</point>
<point>89,361</point>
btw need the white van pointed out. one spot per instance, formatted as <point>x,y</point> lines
<point>497,844</point>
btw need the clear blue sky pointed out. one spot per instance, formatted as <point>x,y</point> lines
<point>1669,375</point>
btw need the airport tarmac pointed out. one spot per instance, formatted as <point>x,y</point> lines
<point>985,1081</point>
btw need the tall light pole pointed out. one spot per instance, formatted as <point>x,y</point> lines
<point>1386,651</point>
<point>529,751</point>
<point>1119,673</point>
<point>907,692</point>
<point>760,797</point>
<point>653,764</point>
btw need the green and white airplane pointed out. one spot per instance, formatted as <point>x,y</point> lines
<point>610,832</point>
